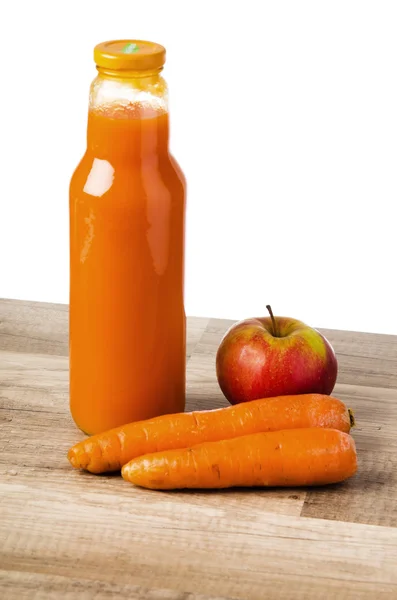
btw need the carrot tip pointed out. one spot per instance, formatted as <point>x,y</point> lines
<point>78,460</point>
<point>72,458</point>
<point>351,417</point>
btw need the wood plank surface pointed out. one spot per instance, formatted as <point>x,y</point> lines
<point>68,534</point>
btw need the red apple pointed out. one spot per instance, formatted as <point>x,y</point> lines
<point>274,356</point>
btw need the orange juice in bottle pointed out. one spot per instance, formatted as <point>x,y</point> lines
<point>127,221</point>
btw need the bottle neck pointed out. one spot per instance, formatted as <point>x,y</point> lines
<point>128,117</point>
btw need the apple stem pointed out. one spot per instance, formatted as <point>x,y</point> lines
<point>276,332</point>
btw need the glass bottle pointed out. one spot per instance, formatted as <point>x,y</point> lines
<point>127,223</point>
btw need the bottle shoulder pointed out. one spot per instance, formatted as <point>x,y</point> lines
<point>178,169</point>
<point>97,176</point>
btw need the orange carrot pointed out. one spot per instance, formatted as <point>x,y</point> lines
<point>293,457</point>
<point>109,451</point>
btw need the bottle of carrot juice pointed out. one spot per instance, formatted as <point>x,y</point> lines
<point>127,220</point>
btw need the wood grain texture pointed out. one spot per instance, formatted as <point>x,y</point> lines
<point>33,327</point>
<point>68,534</point>
<point>25,586</point>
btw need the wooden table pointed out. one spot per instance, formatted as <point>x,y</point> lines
<point>68,534</point>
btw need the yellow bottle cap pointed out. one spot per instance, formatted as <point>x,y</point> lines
<point>129,55</point>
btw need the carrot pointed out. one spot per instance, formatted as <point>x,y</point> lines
<point>293,457</point>
<point>109,451</point>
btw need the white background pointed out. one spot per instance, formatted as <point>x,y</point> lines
<point>284,119</point>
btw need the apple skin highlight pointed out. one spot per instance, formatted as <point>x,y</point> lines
<point>253,363</point>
